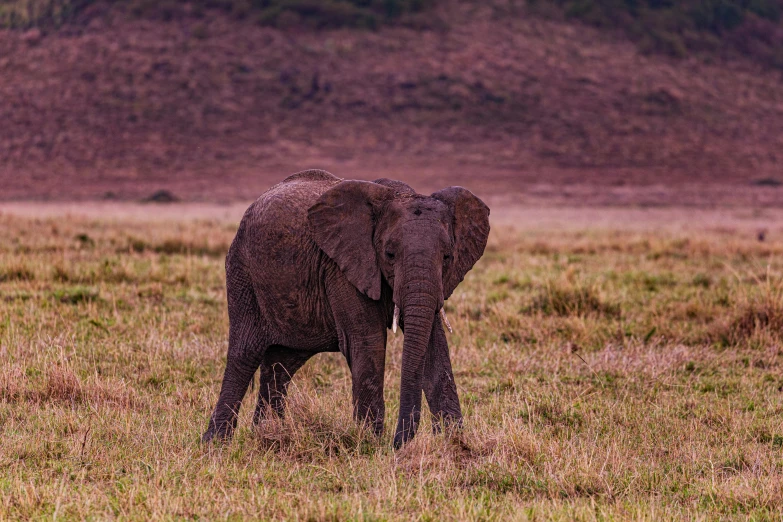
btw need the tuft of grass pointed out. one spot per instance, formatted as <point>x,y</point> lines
<point>574,300</point>
<point>754,317</point>
<point>309,432</point>
<point>75,295</point>
<point>702,280</point>
<point>16,272</point>
<point>62,385</point>
<point>84,239</point>
<point>59,385</point>
<point>177,246</point>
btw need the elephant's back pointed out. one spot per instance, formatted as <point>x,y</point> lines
<point>311,175</point>
<point>283,208</point>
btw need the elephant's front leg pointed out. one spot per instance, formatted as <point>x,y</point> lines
<point>439,386</point>
<point>360,325</point>
<point>367,362</point>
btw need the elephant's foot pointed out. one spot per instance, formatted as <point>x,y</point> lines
<point>371,420</point>
<point>265,411</point>
<point>376,426</point>
<point>447,422</point>
<point>405,432</point>
<point>218,432</point>
<point>401,438</point>
<point>214,436</point>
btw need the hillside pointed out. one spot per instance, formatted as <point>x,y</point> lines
<point>218,108</point>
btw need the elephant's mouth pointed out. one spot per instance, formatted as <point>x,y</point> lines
<point>396,319</point>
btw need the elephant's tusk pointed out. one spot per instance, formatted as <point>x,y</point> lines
<point>396,318</point>
<point>446,320</point>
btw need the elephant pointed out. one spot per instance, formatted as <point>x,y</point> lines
<point>322,264</point>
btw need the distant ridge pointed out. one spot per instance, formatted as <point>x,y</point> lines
<point>127,105</point>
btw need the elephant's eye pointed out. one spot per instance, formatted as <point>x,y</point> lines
<point>390,256</point>
<point>447,257</point>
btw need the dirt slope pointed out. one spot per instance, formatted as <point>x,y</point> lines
<point>218,109</point>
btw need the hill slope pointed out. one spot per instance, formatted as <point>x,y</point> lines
<point>218,109</point>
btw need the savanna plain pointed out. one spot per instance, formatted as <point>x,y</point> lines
<point>611,364</point>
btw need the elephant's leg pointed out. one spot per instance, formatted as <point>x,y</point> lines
<point>439,386</point>
<point>367,367</point>
<point>277,369</point>
<point>361,333</point>
<point>236,379</point>
<point>246,347</point>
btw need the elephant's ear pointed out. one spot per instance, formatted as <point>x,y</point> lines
<point>342,222</point>
<point>470,229</point>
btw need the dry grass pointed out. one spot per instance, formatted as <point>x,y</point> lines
<point>603,374</point>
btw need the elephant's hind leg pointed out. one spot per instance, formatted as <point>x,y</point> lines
<point>246,346</point>
<point>277,369</point>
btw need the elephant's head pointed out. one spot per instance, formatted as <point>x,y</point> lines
<point>422,246</point>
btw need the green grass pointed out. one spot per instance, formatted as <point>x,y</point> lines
<point>603,375</point>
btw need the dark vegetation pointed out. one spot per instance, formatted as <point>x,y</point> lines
<point>680,27</point>
<point>675,28</point>
<point>315,14</point>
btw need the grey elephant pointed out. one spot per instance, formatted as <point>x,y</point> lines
<point>320,264</point>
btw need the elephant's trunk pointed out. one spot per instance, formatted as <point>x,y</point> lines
<point>420,300</point>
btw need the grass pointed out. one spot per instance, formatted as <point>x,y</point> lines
<point>603,374</point>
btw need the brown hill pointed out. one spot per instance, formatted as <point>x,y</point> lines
<point>218,109</point>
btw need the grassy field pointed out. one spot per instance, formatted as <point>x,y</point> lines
<point>604,372</point>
